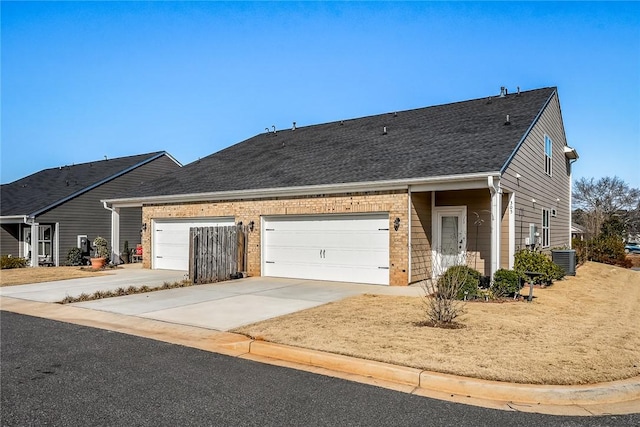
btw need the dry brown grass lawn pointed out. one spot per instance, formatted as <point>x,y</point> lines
<point>584,329</point>
<point>21,276</point>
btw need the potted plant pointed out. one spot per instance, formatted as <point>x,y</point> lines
<point>102,253</point>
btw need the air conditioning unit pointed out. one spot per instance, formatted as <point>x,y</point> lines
<point>566,259</point>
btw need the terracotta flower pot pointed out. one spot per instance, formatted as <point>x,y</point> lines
<point>98,263</point>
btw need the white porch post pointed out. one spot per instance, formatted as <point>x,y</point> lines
<point>496,219</point>
<point>115,235</point>
<point>512,229</point>
<point>34,244</point>
<point>56,244</point>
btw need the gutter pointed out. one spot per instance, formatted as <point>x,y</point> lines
<point>390,185</point>
<point>16,219</point>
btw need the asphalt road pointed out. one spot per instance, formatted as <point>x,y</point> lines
<point>60,374</point>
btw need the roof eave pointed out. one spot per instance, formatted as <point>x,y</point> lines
<point>570,153</point>
<point>352,187</point>
<point>14,219</point>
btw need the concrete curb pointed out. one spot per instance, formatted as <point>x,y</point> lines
<point>611,392</point>
<point>619,397</point>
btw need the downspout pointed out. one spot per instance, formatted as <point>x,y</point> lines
<point>115,233</point>
<point>571,162</point>
<point>496,201</point>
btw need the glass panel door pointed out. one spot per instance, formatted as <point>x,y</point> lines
<point>450,238</point>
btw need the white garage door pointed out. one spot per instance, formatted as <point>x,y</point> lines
<point>171,240</point>
<point>346,248</point>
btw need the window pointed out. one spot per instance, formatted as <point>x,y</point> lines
<point>548,152</point>
<point>546,216</point>
<point>44,240</point>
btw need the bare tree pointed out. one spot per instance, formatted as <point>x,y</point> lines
<point>599,201</point>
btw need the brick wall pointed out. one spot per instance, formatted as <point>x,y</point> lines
<point>394,203</point>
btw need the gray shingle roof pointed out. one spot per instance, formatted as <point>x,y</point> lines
<point>49,187</point>
<point>459,138</point>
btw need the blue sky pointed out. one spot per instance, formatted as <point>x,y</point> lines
<point>81,81</point>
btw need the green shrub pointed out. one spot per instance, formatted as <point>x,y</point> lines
<point>74,256</point>
<point>604,249</point>
<point>526,260</point>
<point>7,261</point>
<point>505,282</point>
<point>580,246</point>
<point>461,280</point>
<point>608,250</point>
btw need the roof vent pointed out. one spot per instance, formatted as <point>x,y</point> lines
<point>341,122</point>
<point>518,87</point>
<point>489,100</point>
<point>395,114</point>
<point>266,130</point>
<point>294,126</point>
<point>503,91</point>
<point>274,129</point>
<point>508,122</point>
<point>105,157</point>
<point>384,130</point>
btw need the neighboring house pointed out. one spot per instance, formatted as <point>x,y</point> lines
<point>577,232</point>
<point>387,199</point>
<point>52,210</point>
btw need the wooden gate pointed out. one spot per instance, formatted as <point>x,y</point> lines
<point>216,253</point>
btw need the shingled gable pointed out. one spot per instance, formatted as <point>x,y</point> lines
<point>44,190</point>
<point>462,138</point>
<point>51,211</point>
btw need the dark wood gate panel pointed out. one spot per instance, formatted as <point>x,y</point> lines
<point>216,253</point>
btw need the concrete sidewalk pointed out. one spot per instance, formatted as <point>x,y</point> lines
<point>618,397</point>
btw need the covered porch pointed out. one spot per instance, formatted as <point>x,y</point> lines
<point>466,223</point>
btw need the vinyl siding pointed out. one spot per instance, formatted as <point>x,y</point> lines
<point>85,214</point>
<point>504,233</point>
<point>549,192</point>
<point>130,224</point>
<point>420,236</point>
<point>9,244</point>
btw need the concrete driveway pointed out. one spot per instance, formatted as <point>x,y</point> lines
<point>220,306</point>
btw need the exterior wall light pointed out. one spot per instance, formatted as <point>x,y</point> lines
<point>396,224</point>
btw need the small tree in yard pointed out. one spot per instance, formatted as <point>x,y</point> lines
<point>445,297</point>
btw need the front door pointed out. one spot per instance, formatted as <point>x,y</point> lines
<point>26,242</point>
<point>450,225</point>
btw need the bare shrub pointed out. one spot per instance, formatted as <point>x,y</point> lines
<point>446,290</point>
